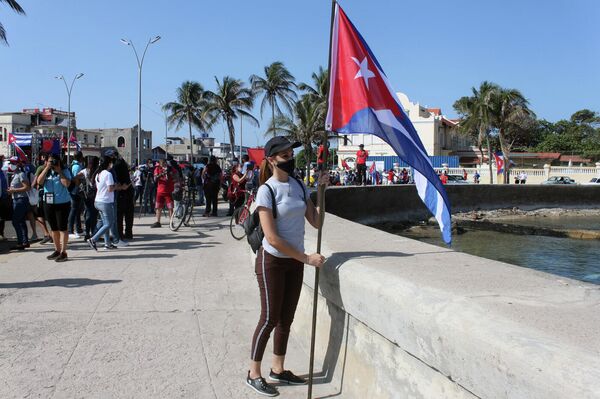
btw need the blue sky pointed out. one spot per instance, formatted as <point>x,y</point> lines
<point>433,51</point>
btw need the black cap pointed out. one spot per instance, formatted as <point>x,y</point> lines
<point>361,145</point>
<point>278,144</point>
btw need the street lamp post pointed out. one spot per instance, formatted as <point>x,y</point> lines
<point>69,91</point>
<point>165,114</point>
<point>140,63</point>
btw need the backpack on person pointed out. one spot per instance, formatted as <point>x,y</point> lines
<point>252,227</point>
<point>87,189</point>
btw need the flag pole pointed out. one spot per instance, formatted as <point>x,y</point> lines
<point>321,205</point>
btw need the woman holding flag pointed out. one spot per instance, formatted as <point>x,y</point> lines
<point>283,202</point>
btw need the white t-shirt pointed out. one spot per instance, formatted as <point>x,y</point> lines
<point>291,208</point>
<point>103,180</point>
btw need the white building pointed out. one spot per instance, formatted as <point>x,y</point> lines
<point>439,134</point>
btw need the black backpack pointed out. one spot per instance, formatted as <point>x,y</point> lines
<point>252,227</point>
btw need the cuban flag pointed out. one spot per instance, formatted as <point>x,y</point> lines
<point>20,139</point>
<point>73,140</point>
<point>361,101</point>
<point>499,163</point>
<point>14,139</point>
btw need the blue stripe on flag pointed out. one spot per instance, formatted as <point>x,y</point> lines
<point>366,120</point>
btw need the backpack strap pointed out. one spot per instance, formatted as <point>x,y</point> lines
<point>273,201</point>
<point>301,186</point>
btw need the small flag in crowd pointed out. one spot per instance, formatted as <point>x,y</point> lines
<point>499,163</point>
<point>361,100</point>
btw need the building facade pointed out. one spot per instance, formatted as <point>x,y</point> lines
<point>125,140</point>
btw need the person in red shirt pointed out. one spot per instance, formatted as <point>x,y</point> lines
<point>361,164</point>
<point>390,176</point>
<point>444,178</point>
<point>164,178</point>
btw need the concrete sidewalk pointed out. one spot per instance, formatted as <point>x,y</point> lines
<point>170,316</point>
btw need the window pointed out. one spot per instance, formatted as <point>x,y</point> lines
<point>85,139</point>
<point>136,143</point>
<point>121,142</point>
<point>95,139</point>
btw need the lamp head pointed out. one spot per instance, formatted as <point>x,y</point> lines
<point>127,42</point>
<point>157,38</point>
<point>79,75</point>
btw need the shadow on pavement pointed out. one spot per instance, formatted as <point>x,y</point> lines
<point>63,282</point>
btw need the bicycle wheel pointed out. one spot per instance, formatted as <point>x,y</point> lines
<point>236,223</point>
<point>178,216</point>
<point>189,209</point>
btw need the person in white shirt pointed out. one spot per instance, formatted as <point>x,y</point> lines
<point>104,203</point>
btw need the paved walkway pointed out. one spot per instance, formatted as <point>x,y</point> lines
<point>170,316</point>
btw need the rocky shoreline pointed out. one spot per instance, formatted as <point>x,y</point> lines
<point>503,221</point>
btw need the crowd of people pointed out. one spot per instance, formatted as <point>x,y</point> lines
<point>94,198</point>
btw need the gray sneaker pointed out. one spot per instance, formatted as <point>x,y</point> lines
<point>260,386</point>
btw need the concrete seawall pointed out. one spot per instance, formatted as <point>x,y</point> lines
<point>403,319</point>
<point>374,204</point>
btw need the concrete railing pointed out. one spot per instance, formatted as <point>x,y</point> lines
<point>398,318</point>
<point>534,176</point>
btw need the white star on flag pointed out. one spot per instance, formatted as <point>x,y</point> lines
<point>364,71</point>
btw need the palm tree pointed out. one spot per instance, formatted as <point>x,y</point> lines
<point>318,93</point>
<point>16,8</point>
<point>230,101</point>
<point>307,126</point>
<point>277,87</point>
<point>477,113</point>
<point>189,109</point>
<point>512,114</point>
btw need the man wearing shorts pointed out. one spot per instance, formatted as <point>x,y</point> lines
<point>164,178</point>
<point>361,164</point>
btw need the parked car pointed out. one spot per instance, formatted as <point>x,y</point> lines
<point>559,180</point>
<point>595,181</point>
<point>457,179</point>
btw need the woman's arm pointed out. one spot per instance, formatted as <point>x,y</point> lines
<point>41,179</point>
<point>312,214</point>
<point>267,223</point>
<point>64,180</point>
<point>25,186</point>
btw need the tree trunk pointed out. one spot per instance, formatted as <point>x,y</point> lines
<point>307,155</point>
<point>191,140</point>
<point>231,129</point>
<point>487,138</point>
<point>505,152</point>
<point>273,119</point>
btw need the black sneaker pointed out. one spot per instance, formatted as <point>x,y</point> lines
<point>46,240</point>
<point>287,377</point>
<point>62,257</point>
<point>110,247</point>
<point>155,225</point>
<point>53,255</point>
<point>260,386</point>
<point>92,244</point>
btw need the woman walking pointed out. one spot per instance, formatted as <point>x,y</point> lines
<point>56,178</point>
<point>89,195</point>
<point>104,203</point>
<point>19,185</point>
<point>280,261</point>
<point>212,175</point>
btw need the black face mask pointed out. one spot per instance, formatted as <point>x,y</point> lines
<point>287,166</point>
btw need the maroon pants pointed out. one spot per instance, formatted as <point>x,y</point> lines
<point>280,282</point>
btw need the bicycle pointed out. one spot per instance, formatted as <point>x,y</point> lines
<point>184,208</point>
<point>240,215</point>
